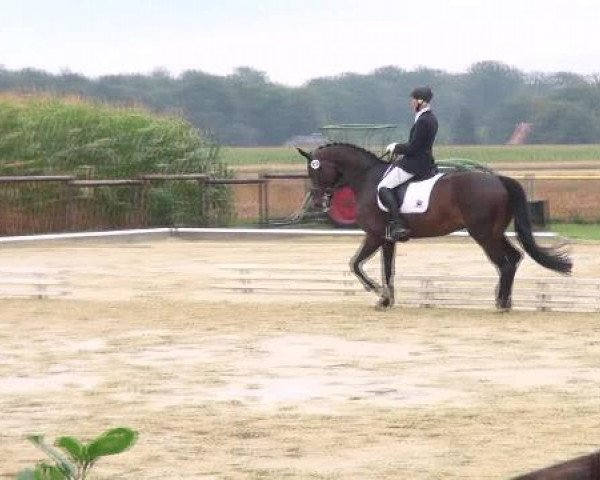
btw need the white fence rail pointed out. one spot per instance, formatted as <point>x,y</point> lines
<point>427,291</point>
<point>33,284</point>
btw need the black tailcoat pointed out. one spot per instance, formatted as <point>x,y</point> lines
<point>418,156</point>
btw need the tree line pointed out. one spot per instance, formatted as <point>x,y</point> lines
<point>481,105</point>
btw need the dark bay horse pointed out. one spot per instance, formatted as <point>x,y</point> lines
<point>482,203</point>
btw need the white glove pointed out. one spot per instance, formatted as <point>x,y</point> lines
<point>390,148</point>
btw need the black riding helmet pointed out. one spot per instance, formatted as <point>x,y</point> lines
<point>422,93</point>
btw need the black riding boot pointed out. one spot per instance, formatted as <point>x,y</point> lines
<point>397,230</point>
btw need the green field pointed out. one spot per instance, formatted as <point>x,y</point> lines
<point>576,231</point>
<point>489,154</point>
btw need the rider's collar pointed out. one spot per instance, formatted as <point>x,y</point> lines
<point>422,111</point>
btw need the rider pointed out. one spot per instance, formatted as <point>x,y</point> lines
<point>416,160</point>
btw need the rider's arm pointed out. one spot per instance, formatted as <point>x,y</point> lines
<point>417,143</point>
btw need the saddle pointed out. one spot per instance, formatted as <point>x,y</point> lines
<point>413,196</point>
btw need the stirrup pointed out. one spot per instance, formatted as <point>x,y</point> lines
<point>397,232</point>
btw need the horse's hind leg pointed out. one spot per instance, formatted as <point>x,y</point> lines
<point>507,265</point>
<point>506,258</point>
<point>508,269</point>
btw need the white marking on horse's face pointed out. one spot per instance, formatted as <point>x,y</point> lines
<point>315,164</point>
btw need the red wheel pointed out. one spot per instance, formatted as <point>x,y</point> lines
<point>343,207</point>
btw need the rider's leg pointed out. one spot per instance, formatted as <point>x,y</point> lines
<point>397,229</point>
<point>390,201</point>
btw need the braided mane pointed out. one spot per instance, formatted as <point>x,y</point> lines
<point>350,145</point>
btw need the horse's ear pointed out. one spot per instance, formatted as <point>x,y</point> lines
<point>306,155</point>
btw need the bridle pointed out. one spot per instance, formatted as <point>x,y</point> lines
<point>326,192</point>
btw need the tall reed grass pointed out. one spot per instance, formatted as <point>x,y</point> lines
<point>54,135</point>
<point>50,135</point>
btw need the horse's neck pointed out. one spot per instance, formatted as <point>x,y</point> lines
<point>358,170</point>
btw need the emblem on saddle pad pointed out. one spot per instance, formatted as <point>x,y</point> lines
<point>315,164</point>
<point>416,198</point>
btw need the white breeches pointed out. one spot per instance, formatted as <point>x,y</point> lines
<point>394,177</point>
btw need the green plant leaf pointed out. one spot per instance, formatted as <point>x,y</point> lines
<point>27,474</point>
<point>73,447</point>
<point>36,439</point>
<point>111,442</point>
<point>65,465</point>
<point>43,471</point>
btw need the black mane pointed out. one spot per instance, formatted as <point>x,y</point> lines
<point>350,145</point>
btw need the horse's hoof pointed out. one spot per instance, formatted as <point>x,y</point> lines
<point>504,306</point>
<point>384,304</point>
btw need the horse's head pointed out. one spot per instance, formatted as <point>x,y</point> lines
<point>324,176</point>
<point>323,172</point>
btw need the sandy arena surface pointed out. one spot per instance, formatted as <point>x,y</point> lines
<point>233,386</point>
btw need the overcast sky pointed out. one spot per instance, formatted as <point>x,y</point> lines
<point>296,40</point>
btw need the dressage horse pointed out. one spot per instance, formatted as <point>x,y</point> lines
<point>480,202</point>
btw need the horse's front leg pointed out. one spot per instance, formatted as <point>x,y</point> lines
<point>367,249</point>
<point>386,299</point>
<point>369,246</point>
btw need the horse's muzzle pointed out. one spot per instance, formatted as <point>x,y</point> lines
<point>322,199</point>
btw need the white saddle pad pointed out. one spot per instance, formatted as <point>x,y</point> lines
<point>417,196</point>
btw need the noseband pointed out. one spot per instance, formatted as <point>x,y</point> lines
<point>338,181</point>
<point>326,192</point>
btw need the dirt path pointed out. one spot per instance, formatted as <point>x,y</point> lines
<point>222,386</point>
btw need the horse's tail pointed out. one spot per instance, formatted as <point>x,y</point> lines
<point>552,258</point>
